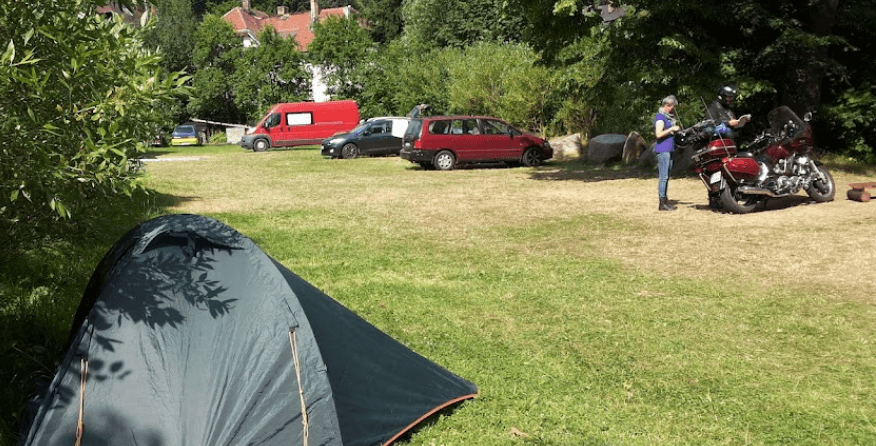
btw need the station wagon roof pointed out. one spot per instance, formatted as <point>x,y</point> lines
<point>435,118</point>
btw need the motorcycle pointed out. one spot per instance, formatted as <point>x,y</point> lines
<point>778,163</point>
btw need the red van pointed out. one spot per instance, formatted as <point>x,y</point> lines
<point>301,123</point>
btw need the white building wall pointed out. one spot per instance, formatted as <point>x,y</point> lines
<point>318,88</point>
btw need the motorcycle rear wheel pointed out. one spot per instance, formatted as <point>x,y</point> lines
<point>736,203</point>
<point>822,191</point>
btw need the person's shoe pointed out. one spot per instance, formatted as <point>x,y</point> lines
<point>714,203</point>
<point>665,206</point>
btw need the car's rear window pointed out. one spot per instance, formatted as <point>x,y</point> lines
<point>413,130</point>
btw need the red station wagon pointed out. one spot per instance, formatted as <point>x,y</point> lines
<point>443,142</point>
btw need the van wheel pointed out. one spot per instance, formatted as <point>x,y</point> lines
<point>444,160</point>
<point>349,151</point>
<point>260,145</point>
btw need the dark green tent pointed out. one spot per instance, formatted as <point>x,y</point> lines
<point>188,334</point>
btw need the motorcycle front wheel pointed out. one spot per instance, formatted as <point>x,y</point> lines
<point>822,190</point>
<point>737,203</point>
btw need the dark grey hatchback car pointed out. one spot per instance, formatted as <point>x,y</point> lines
<point>377,136</point>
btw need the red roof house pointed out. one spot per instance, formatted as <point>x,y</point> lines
<point>248,22</point>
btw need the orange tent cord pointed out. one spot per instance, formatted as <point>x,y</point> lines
<point>80,422</point>
<point>293,343</point>
<point>428,414</point>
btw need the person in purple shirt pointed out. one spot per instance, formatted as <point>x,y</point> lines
<point>664,129</point>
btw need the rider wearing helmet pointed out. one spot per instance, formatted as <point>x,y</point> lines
<point>720,109</point>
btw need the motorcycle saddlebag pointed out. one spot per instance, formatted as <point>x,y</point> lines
<point>742,168</point>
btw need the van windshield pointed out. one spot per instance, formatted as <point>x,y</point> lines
<point>264,119</point>
<point>184,130</point>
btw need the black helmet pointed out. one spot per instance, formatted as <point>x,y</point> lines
<point>726,94</point>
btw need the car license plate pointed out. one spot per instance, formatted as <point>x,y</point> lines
<point>716,177</point>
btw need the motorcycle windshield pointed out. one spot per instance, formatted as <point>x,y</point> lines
<point>784,122</point>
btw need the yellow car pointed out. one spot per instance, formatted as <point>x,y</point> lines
<point>185,135</point>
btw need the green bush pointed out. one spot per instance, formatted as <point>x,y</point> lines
<point>218,138</point>
<point>501,80</point>
<point>850,125</point>
<point>69,124</point>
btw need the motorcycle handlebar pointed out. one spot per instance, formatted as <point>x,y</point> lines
<point>700,125</point>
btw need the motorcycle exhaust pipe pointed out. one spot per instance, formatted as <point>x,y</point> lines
<point>757,191</point>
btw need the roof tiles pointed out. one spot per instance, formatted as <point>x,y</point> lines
<point>288,25</point>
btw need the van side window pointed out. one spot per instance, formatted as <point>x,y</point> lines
<point>464,127</point>
<point>305,118</point>
<point>439,127</point>
<point>471,127</point>
<point>456,127</point>
<point>495,127</point>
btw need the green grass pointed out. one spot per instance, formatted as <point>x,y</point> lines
<point>567,346</point>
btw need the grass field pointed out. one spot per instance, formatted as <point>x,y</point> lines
<point>584,315</point>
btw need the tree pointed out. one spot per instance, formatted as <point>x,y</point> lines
<point>216,55</point>
<point>77,94</point>
<point>399,77</point>
<point>458,23</point>
<point>546,30</point>
<point>776,52</point>
<point>501,80</point>
<point>850,94</point>
<point>384,19</point>
<point>270,73</point>
<point>173,33</point>
<point>339,45</point>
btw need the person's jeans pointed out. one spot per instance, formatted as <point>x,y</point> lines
<point>664,165</point>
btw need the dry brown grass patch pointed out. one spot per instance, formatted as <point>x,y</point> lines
<point>828,247</point>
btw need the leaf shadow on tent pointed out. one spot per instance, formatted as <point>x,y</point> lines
<point>146,290</point>
<point>108,421</point>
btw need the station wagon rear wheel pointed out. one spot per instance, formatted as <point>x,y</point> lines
<point>349,151</point>
<point>444,160</point>
<point>531,157</point>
